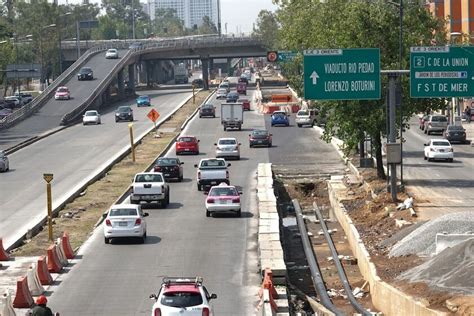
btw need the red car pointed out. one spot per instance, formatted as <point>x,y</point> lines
<point>187,144</point>
<point>245,104</point>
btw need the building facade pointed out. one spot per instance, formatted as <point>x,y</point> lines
<point>458,13</point>
<point>190,12</point>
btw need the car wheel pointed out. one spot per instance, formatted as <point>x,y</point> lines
<point>270,145</point>
<point>167,200</point>
<point>116,120</point>
<point>238,157</point>
<point>299,125</point>
<point>425,131</point>
<point>428,132</point>
<point>214,116</point>
<point>450,159</point>
<point>180,179</point>
<point>239,213</point>
<point>240,128</point>
<point>199,187</point>
<point>106,240</point>
<point>424,157</point>
<point>225,128</point>
<point>208,214</point>
<point>250,146</point>
<point>200,116</point>
<point>142,239</point>
<point>429,159</point>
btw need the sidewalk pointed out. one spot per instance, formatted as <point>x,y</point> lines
<point>469,127</point>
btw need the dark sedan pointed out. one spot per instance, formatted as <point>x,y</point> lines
<point>455,133</point>
<point>232,97</point>
<point>85,73</point>
<point>171,168</point>
<point>207,110</point>
<point>124,113</point>
<point>260,137</point>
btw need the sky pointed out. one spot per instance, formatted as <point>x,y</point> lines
<point>238,14</point>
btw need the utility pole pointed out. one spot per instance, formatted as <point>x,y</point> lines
<point>392,87</point>
<point>133,20</point>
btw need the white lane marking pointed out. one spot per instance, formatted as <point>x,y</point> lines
<point>459,190</point>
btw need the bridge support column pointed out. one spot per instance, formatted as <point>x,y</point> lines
<point>205,73</point>
<point>120,84</point>
<point>149,68</point>
<point>131,78</point>
<point>230,70</point>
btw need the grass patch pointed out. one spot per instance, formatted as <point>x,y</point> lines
<point>79,217</point>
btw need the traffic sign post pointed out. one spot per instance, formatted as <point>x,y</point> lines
<point>153,115</point>
<point>342,74</point>
<point>441,71</point>
<point>48,177</point>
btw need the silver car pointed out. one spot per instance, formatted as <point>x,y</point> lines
<point>305,117</point>
<point>221,93</point>
<point>436,123</point>
<point>112,53</point>
<point>228,148</point>
<point>91,117</point>
<point>4,163</point>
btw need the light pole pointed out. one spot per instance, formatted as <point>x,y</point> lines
<point>59,40</point>
<point>455,108</point>
<point>41,46</point>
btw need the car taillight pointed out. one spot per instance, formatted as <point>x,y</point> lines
<point>205,311</point>
<point>138,222</point>
<point>210,200</point>
<point>107,222</point>
<point>227,174</point>
<point>157,312</point>
<point>199,175</point>
<point>236,200</point>
<point>157,168</point>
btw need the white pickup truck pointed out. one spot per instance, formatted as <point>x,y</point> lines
<point>150,187</point>
<point>212,171</point>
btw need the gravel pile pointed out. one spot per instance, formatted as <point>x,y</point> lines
<point>451,270</point>
<point>422,241</point>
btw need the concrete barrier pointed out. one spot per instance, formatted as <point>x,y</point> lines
<point>60,252</point>
<point>43,273</point>
<point>66,245</point>
<point>6,305</point>
<point>54,264</point>
<point>4,256</point>
<point>23,298</point>
<point>385,297</point>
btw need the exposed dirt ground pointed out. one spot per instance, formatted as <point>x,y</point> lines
<point>79,217</point>
<point>306,193</point>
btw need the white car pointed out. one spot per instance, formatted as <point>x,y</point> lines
<point>4,163</point>
<point>112,54</point>
<point>125,221</point>
<point>305,117</point>
<point>223,198</point>
<point>150,187</point>
<point>91,117</point>
<point>183,297</point>
<point>439,149</point>
<point>228,148</point>
<point>221,93</point>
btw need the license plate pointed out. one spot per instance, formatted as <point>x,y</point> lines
<point>167,174</point>
<point>186,149</point>
<point>123,224</point>
<point>228,202</point>
<point>441,150</point>
<point>259,141</point>
<point>456,134</point>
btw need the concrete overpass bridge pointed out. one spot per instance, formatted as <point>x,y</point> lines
<point>117,78</point>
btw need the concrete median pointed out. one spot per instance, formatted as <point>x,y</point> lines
<point>54,264</point>
<point>6,305</point>
<point>23,298</point>
<point>34,284</point>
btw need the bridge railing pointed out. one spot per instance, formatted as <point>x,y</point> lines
<point>48,93</point>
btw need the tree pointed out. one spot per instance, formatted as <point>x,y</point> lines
<point>352,24</point>
<point>207,26</point>
<point>122,13</point>
<point>167,23</point>
<point>267,29</point>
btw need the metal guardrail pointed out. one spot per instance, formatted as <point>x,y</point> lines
<point>41,99</point>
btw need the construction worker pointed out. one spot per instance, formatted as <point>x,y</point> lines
<point>41,309</point>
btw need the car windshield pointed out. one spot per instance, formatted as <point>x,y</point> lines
<point>168,161</point>
<point>455,127</point>
<point>223,191</point>
<point>85,70</point>
<point>302,113</point>
<point>260,133</point>
<point>123,212</point>
<point>222,91</point>
<point>62,89</point>
<point>112,50</point>
<point>208,106</point>
<point>186,140</point>
<point>441,143</point>
<point>279,115</point>
<point>143,97</point>
<point>155,177</point>
<point>213,164</point>
<point>91,113</point>
<point>181,299</point>
<point>439,119</point>
<point>227,142</point>
<point>123,109</point>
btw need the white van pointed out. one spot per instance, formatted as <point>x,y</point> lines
<point>305,117</point>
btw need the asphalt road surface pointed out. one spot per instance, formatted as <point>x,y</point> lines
<point>72,155</point>
<point>50,115</point>
<point>442,187</point>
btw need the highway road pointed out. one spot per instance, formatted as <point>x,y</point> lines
<point>49,116</point>
<point>117,279</point>
<point>71,155</point>
<point>441,186</point>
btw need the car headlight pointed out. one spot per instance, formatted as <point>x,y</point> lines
<point>117,114</point>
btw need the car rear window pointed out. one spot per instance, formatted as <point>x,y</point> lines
<point>227,142</point>
<point>166,161</point>
<point>456,127</point>
<point>222,191</point>
<point>439,143</point>
<point>213,164</point>
<point>439,119</point>
<point>186,139</point>
<point>260,133</point>
<point>181,299</point>
<point>123,212</point>
<point>91,113</point>
<point>148,178</point>
<point>302,113</point>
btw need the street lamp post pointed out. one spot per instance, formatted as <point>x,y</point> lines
<point>455,108</point>
<point>60,59</point>
<point>41,46</point>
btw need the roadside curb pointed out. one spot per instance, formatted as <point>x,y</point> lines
<point>33,140</point>
<point>80,188</point>
<point>124,195</point>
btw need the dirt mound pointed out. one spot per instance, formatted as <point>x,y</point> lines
<point>451,270</point>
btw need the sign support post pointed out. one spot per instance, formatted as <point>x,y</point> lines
<point>48,177</point>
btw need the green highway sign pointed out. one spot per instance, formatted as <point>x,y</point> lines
<point>286,56</point>
<point>441,71</point>
<point>342,74</point>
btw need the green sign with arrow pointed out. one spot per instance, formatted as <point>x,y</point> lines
<point>342,74</point>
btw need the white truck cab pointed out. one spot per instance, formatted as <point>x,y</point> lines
<point>150,187</point>
<point>211,171</point>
